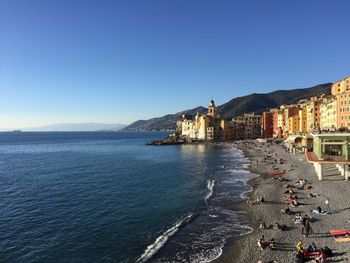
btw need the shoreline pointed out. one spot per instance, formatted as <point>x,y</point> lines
<point>232,252</point>
<point>334,188</point>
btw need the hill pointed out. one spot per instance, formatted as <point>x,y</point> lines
<point>167,122</point>
<point>260,102</point>
<point>91,126</point>
<point>237,106</point>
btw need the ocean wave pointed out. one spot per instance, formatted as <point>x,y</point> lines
<point>239,171</point>
<point>210,186</point>
<point>207,256</point>
<point>247,229</point>
<point>162,239</point>
<point>213,216</point>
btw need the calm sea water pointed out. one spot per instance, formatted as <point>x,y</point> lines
<point>107,197</point>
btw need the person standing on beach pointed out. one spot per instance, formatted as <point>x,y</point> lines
<point>327,207</point>
<point>306,229</point>
<point>305,219</point>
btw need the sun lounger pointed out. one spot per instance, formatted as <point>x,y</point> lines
<point>339,232</point>
<point>277,173</point>
<point>340,235</point>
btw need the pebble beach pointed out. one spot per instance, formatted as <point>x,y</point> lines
<point>265,158</point>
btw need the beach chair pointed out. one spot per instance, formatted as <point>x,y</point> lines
<point>277,173</point>
<point>340,235</point>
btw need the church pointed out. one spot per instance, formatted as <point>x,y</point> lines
<point>211,127</point>
<point>203,127</point>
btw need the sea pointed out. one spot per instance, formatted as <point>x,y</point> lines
<point>108,197</point>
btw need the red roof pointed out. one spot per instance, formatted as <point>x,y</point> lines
<point>312,158</point>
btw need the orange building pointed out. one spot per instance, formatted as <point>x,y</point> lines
<point>341,90</point>
<point>276,128</point>
<point>289,111</point>
<point>267,124</point>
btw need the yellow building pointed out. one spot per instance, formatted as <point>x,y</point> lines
<point>293,124</point>
<point>313,114</point>
<point>201,122</point>
<point>303,119</point>
<point>341,86</point>
<point>281,122</point>
<point>329,113</point>
<point>289,112</point>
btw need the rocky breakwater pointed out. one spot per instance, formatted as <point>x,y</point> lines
<point>171,140</point>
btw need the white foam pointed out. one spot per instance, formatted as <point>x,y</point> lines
<point>239,171</point>
<point>207,256</point>
<point>248,229</point>
<point>210,186</point>
<point>162,239</point>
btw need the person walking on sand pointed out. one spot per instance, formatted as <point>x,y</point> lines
<point>327,207</point>
<point>305,219</point>
<point>306,229</point>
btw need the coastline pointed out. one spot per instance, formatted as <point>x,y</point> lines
<point>232,252</point>
<point>333,188</point>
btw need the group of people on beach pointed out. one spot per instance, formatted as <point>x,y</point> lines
<point>262,243</point>
<point>291,198</point>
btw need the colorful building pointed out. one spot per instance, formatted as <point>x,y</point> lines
<point>329,114</point>
<point>267,124</point>
<point>303,119</point>
<point>210,127</point>
<point>276,129</point>
<point>202,127</point>
<point>289,111</point>
<point>341,89</point>
<point>313,114</point>
<point>293,124</point>
<point>251,123</point>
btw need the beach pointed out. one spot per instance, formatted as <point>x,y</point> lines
<point>333,188</point>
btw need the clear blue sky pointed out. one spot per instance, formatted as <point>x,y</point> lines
<point>119,61</point>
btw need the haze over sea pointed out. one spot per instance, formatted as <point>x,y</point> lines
<point>107,197</point>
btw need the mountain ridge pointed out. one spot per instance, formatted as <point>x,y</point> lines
<point>83,126</point>
<point>255,102</point>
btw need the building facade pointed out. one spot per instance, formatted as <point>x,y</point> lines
<point>341,90</point>
<point>329,114</point>
<point>210,127</point>
<point>267,127</point>
<point>313,114</point>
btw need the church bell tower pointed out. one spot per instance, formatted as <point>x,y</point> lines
<point>211,109</point>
